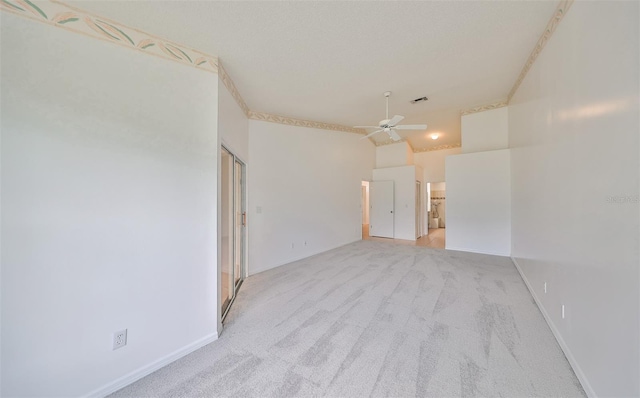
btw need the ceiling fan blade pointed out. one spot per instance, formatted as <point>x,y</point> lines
<point>366,127</point>
<point>412,127</point>
<point>395,120</point>
<point>370,134</point>
<point>394,136</point>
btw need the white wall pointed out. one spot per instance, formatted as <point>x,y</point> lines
<point>108,210</point>
<point>478,208</point>
<point>365,202</point>
<point>304,186</point>
<point>409,155</point>
<point>573,127</point>
<point>404,212</point>
<point>432,163</point>
<point>485,131</point>
<point>233,130</point>
<point>394,155</point>
<point>233,124</point>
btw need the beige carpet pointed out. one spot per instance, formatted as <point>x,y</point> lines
<point>377,319</point>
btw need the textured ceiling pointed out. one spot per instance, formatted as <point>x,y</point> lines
<point>332,61</point>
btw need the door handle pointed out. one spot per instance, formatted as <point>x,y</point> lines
<point>244,219</point>
<point>391,211</point>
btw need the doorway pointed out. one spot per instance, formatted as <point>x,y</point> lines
<point>381,196</point>
<point>418,212</point>
<point>438,202</point>
<point>233,227</point>
<point>364,204</point>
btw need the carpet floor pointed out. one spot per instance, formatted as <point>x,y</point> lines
<point>377,319</point>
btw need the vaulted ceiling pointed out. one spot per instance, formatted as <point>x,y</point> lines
<point>332,61</point>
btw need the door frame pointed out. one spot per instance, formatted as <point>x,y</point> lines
<point>243,234</point>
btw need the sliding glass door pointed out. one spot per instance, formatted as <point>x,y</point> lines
<point>233,224</point>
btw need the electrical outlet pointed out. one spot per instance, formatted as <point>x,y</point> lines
<point>119,339</point>
<point>562,311</point>
<point>545,288</point>
<point>292,245</point>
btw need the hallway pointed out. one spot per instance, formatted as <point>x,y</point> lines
<point>435,238</point>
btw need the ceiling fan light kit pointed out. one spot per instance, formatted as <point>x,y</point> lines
<point>390,126</point>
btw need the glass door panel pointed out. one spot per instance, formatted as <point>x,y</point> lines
<point>226,222</point>
<point>233,227</point>
<point>239,222</point>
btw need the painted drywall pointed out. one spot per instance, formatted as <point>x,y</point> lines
<point>485,131</point>
<point>409,155</point>
<point>108,211</point>
<point>304,191</point>
<point>365,202</point>
<point>432,163</point>
<point>233,124</point>
<point>394,155</point>
<point>404,179</point>
<point>478,208</point>
<point>573,129</point>
<point>233,133</point>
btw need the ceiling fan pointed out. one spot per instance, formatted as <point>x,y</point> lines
<point>390,126</point>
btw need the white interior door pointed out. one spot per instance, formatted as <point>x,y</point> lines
<point>381,204</point>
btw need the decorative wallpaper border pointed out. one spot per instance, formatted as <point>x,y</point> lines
<point>58,14</point>
<point>561,11</point>
<point>70,18</point>
<point>228,83</point>
<point>63,16</point>
<point>268,117</point>
<point>438,148</point>
<point>483,108</point>
<point>427,149</point>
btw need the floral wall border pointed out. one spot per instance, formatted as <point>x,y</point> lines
<point>63,16</point>
<point>268,117</point>
<point>58,14</point>
<point>561,10</point>
<point>438,148</point>
<point>483,108</point>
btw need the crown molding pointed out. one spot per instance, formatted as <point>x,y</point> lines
<point>438,148</point>
<point>561,11</point>
<point>268,117</point>
<point>483,108</point>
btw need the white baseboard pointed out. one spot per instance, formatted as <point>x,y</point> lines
<point>556,333</point>
<point>138,374</point>
<point>462,249</point>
